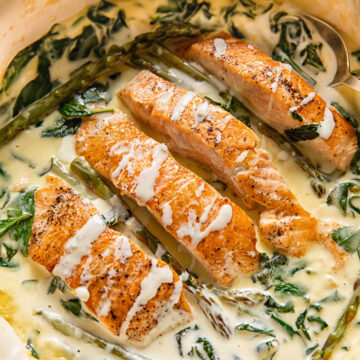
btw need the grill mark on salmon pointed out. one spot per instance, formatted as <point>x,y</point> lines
<point>113,269</point>
<point>273,92</point>
<point>216,231</point>
<point>248,171</point>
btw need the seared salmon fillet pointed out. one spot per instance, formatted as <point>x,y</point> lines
<point>215,231</point>
<point>136,297</point>
<point>278,96</point>
<point>208,133</point>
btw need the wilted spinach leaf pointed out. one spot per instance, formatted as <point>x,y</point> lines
<point>76,106</point>
<point>3,173</point>
<point>119,22</point>
<point>57,47</point>
<point>294,31</point>
<point>11,221</point>
<point>36,88</point>
<point>84,43</point>
<point>63,127</point>
<point>335,297</point>
<point>20,61</point>
<point>56,283</point>
<point>254,329</point>
<point>207,348</point>
<point>303,133</point>
<point>311,56</point>
<point>347,237</point>
<point>300,324</point>
<point>323,324</point>
<point>270,268</point>
<point>281,308</point>
<point>180,11</point>
<point>290,289</point>
<point>22,232</point>
<point>179,336</point>
<point>74,306</point>
<point>94,14</point>
<point>290,330</point>
<point>31,348</point>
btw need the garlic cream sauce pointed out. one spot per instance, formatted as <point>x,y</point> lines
<point>27,157</point>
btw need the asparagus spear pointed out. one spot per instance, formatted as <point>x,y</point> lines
<point>316,178</point>
<point>88,74</point>
<point>206,299</point>
<point>68,329</point>
<point>336,335</point>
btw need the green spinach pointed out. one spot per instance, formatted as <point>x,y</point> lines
<point>56,283</point>
<point>254,329</point>
<point>22,232</point>
<point>181,11</point>
<point>281,308</point>
<point>347,237</point>
<point>207,348</point>
<point>290,289</point>
<point>36,88</point>
<point>84,43</point>
<point>63,127</point>
<point>31,348</point>
<point>77,105</point>
<point>270,268</point>
<point>74,306</point>
<point>323,324</point>
<point>179,336</point>
<point>300,324</point>
<point>289,329</point>
<point>303,133</point>
<point>335,297</point>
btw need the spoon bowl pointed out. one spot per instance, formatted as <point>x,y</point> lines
<point>335,40</point>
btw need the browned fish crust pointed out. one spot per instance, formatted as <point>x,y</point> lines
<point>120,152</point>
<point>271,89</point>
<point>228,147</point>
<point>59,214</point>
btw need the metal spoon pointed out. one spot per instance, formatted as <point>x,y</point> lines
<point>336,42</point>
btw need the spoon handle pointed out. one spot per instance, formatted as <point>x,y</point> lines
<point>352,82</point>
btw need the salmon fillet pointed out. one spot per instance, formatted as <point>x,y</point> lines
<point>209,134</point>
<point>276,94</point>
<point>136,297</point>
<point>215,231</point>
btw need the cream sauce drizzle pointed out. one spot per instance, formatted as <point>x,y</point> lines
<point>180,106</point>
<point>145,188</point>
<point>220,47</point>
<point>149,287</point>
<point>122,251</point>
<point>327,126</point>
<point>201,111</point>
<point>79,246</point>
<point>167,214</point>
<point>304,102</point>
<point>193,228</point>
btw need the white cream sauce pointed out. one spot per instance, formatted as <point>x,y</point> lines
<point>149,287</point>
<point>146,181</point>
<point>327,126</point>
<point>18,300</point>
<point>220,47</point>
<point>79,246</point>
<point>308,99</point>
<point>180,106</point>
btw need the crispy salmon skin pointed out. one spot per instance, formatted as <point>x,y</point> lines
<point>216,231</point>
<point>134,296</point>
<point>206,132</point>
<point>276,94</point>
